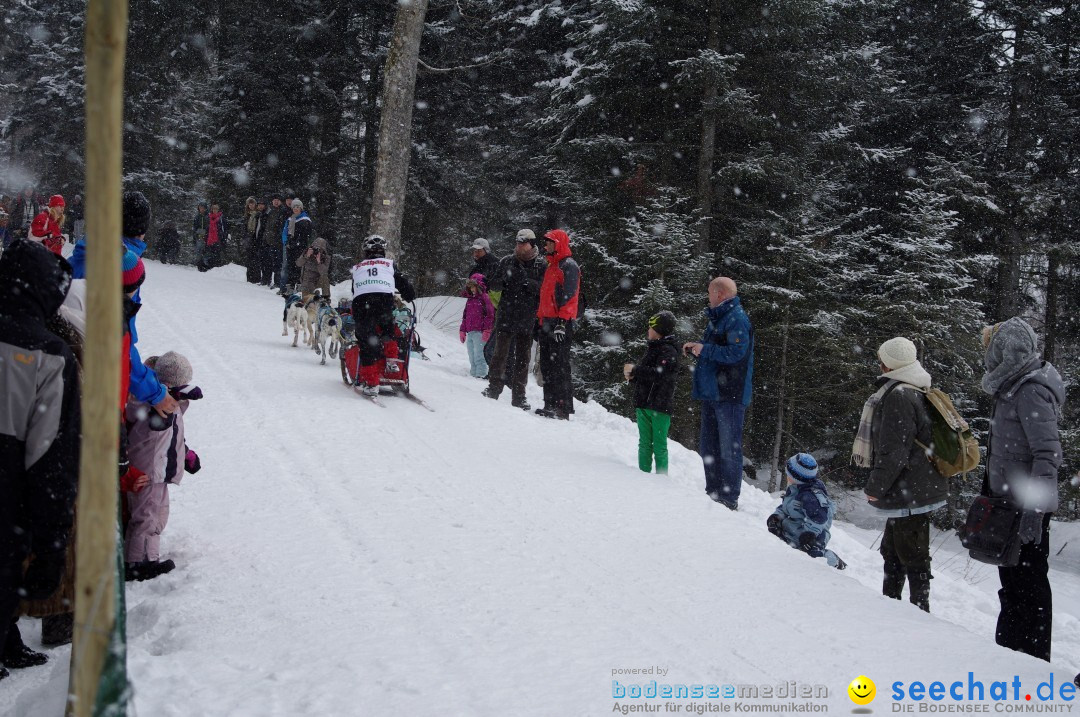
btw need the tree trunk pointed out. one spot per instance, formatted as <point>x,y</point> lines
<point>708,139</point>
<point>334,72</point>
<point>774,469</point>
<point>395,126</point>
<point>370,115</point>
<point>1053,289</point>
<point>1009,302</point>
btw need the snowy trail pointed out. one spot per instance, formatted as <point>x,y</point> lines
<point>336,558</point>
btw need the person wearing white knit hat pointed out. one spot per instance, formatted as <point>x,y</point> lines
<point>903,485</point>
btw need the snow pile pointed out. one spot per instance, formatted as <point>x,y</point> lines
<point>337,558</point>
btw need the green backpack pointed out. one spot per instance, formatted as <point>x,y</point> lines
<point>953,449</point>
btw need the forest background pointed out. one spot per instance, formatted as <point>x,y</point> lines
<point>863,168</point>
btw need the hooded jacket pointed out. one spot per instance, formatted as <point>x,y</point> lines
<point>39,411</point>
<point>156,445</point>
<point>314,272</point>
<point>1023,448</point>
<point>479,313</point>
<point>561,284</point>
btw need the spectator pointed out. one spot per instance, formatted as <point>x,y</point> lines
<point>314,266</point>
<point>6,235</point>
<point>156,448</point>
<point>517,278</point>
<point>723,382</point>
<point>169,243</point>
<point>556,313</point>
<point>297,233</point>
<point>27,206</point>
<point>264,269</point>
<point>250,247</point>
<point>653,378</point>
<point>215,239</point>
<point>135,219</point>
<point>46,226</point>
<point>40,453</point>
<point>803,518</point>
<point>477,318</point>
<point>1023,456</point>
<point>76,215</point>
<point>273,247</point>
<point>488,265</point>
<point>904,485</point>
<point>200,229</point>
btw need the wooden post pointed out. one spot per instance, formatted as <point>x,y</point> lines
<point>95,573</point>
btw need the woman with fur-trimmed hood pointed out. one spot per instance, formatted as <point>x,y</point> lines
<point>314,266</point>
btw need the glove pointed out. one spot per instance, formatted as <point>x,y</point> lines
<point>186,393</point>
<point>486,335</point>
<point>807,541</point>
<point>462,335</point>
<point>775,525</point>
<point>42,578</point>
<point>191,462</point>
<point>559,332</point>
<point>133,481</point>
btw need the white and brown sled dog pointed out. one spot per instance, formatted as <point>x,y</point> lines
<point>295,317</point>
<point>327,329</point>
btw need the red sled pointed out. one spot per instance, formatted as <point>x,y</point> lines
<point>393,370</point>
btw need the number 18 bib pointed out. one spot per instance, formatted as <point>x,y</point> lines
<point>373,276</point>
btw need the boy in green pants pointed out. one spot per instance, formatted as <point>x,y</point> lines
<point>654,391</point>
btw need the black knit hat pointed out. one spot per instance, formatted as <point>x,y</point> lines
<point>135,219</point>
<point>663,323</point>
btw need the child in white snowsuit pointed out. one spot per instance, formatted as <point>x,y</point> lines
<point>156,446</point>
<point>804,517</point>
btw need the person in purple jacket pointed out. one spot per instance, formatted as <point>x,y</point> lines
<point>156,447</point>
<point>476,322</point>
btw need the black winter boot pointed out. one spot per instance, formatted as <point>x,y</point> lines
<point>57,629</point>
<point>22,656</point>
<point>893,585</point>
<point>920,589</point>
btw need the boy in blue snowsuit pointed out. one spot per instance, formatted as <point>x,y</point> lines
<point>804,517</point>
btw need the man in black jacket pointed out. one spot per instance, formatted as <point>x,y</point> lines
<point>39,437</point>
<point>518,277</point>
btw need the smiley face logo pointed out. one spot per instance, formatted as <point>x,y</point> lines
<point>862,690</point>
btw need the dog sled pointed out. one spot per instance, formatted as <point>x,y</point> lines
<point>397,353</point>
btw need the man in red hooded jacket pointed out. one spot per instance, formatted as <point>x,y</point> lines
<point>558,309</point>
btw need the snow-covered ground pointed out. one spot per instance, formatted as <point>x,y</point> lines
<point>338,558</point>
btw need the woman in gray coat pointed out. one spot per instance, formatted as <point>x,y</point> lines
<point>1023,458</point>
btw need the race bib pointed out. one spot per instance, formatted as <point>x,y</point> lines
<point>373,276</point>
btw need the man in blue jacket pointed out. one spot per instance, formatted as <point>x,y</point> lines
<point>135,221</point>
<point>722,382</point>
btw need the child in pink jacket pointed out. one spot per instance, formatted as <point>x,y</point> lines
<point>156,447</point>
<point>476,322</point>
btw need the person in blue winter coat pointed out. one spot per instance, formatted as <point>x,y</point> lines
<point>135,220</point>
<point>803,518</point>
<point>723,379</point>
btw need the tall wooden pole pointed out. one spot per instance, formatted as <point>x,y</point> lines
<point>95,574</point>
